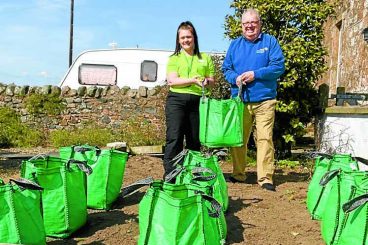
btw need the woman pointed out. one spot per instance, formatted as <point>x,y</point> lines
<point>187,71</point>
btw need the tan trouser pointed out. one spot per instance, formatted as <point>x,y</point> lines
<point>263,115</point>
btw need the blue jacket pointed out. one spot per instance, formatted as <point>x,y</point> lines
<point>264,57</point>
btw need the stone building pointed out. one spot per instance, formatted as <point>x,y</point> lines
<point>347,50</point>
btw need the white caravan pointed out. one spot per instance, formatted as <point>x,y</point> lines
<point>122,67</point>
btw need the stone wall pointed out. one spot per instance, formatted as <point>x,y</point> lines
<point>107,107</point>
<point>348,52</point>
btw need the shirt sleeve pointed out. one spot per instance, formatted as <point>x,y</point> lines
<point>172,64</point>
<point>228,67</point>
<point>211,67</point>
<point>276,65</point>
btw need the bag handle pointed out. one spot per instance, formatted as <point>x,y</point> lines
<point>82,149</point>
<point>216,206</point>
<point>327,177</point>
<point>82,165</point>
<point>199,170</point>
<point>136,186</point>
<point>26,184</point>
<point>178,159</point>
<point>170,176</point>
<point>315,154</point>
<point>361,159</point>
<point>38,156</point>
<point>355,203</point>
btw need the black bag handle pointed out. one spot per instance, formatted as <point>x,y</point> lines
<point>355,203</point>
<point>82,149</point>
<point>315,154</point>
<point>327,177</point>
<point>82,165</point>
<point>216,206</point>
<point>170,176</point>
<point>178,159</point>
<point>197,171</point>
<point>26,184</point>
<point>361,159</point>
<point>136,186</point>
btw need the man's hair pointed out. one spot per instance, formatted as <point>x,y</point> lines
<point>252,11</point>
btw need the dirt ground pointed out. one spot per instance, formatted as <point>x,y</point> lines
<point>255,216</point>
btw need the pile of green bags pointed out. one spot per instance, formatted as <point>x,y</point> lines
<point>187,207</point>
<point>338,197</point>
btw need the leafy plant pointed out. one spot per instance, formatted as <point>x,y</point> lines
<point>50,104</point>
<point>298,27</point>
<point>142,131</point>
<point>91,134</point>
<point>14,133</point>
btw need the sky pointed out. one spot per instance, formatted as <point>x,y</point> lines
<point>35,34</point>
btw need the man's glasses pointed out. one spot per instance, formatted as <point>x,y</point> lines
<point>253,23</point>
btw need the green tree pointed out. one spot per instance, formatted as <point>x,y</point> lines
<point>298,25</point>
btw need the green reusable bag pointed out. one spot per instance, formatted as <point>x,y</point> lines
<point>171,214</point>
<point>188,160</point>
<point>355,225</point>
<point>317,194</point>
<point>104,183</point>
<point>334,219</point>
<point>20,213</point>
<point>221,122</point>
<point>64,200</point>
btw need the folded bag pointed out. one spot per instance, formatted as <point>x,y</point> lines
<point>64,198</point>
<point>105,181</point>
<point>20,213</point>
<point>221,121</point>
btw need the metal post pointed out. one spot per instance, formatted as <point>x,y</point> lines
<point>71,33</point>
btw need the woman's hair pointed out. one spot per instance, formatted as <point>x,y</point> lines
<point>187,25</point>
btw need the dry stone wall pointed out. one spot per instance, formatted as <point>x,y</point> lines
<point>106,107</point>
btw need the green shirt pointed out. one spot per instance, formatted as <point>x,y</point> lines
<point>188,67</point>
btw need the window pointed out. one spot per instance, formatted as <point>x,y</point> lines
<point>96,74</point>
<point>148,71</point>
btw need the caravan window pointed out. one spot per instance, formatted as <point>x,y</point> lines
<point>95,74</point>
<point>148,71</point>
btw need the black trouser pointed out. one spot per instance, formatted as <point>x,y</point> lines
<point>182,120</point>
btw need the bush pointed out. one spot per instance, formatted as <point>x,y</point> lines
<point>141,131</point>
<point>50,104</point>
<point>92,135</point>
<point>15,134</point>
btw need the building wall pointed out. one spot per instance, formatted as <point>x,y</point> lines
<point>347,51</point>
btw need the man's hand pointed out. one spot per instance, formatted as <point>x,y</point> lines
<point>247,77</point>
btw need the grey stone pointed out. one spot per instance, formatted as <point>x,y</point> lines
<point>21,90</point>
<point>46,89</point>
<point>82,91</point>
<point>105,119</point>
<point>10,90</point>
<point>73,92</point>
<point>65,90</point>
<point>91,91</point>
<point>142,91</point>
<point>55,90</point>
<point>2,89</point>
<point>132,93</point>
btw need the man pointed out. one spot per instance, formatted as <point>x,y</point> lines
<point>256,61</point>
